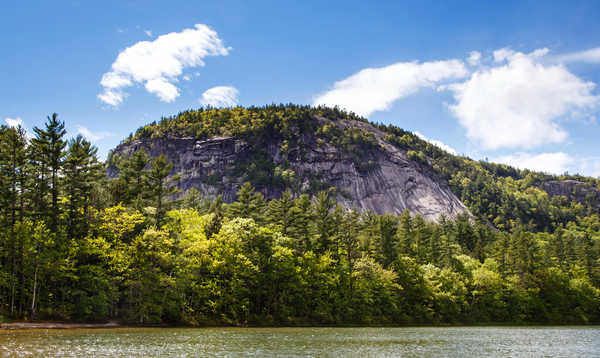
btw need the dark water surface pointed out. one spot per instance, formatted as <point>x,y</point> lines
<point>305,342</point>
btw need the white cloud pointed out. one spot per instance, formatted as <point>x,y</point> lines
<point>220,96</point>
<point>14,122</point>
<point>517,103</point>
<point>474,58</point>
<point>437,143</point>
<point>588,166</point>
<point>553,163</point>
<point>91,136</point>
<point>187,78</point>
<point>157,64</point>
<point>112,97</point>
<point>165,90</point>
<point>587,56</point>
<point>148,33</point>
<point>376,89</point>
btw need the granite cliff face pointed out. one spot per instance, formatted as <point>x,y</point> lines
<point>383,179</point>
<point>574,190</point>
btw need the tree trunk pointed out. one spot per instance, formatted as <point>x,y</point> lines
<point>34,292</point>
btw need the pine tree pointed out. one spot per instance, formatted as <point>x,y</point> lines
<point>12,165</point>
<point>301,228</point>
<point>421,236</point>
<point>249,204</point>
<point>282,212</point>
<point>214,225</point>
<point>465,234</point>
<point>82,171</point>
<point>387,228</point>
<point>136,178</point>
<point>324,222</point>
<point>159,187</point>
<point>405,234</point>
<point>349,245</point>
<point>435,246</point>
<point>51,146</point>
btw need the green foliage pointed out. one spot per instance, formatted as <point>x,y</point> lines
<point>77,246</point>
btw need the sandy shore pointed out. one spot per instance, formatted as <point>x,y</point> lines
<point>55,325</point>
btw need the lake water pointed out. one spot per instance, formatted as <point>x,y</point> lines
<point>305,342</point>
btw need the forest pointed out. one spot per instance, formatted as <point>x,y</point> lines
<point>78,245</point>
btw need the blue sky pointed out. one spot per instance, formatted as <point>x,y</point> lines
<point>515,82</point>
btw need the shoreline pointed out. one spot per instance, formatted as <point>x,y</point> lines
<point>116,324</point>
<point>56,325</point>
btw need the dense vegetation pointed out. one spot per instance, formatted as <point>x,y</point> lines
<point>77,245</point>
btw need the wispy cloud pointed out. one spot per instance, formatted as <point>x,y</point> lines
<point>474,58</point>
<point>220,96</point>
<point>92,136</point>
<point>437,143</point>
<point>158,64</point>
<point>587,56</point>
<point>553,163</point>
<point>376,89</point>
<point>148,33</point>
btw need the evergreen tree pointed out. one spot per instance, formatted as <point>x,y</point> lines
<point>301,228</point>
<point>51,145</point>
<point>282,213</point>
<point>82,172</point>
<point>12,167</point>
<point>348,244</point>
<point>159,186</point>
<point>135,174</point>
<point>405,234</point>
<point>324,221</point>
<point>249,204</point>
<point>216,221</point>
<point>465,234</point>
<point>387,229</point>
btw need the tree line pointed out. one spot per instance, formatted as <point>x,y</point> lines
<point>77,245</point>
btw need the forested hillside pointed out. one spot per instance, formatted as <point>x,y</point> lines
<point>78,245</point>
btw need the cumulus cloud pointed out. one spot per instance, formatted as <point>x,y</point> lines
<point>14,122</point>
<point>376,89</point>
<point>437,143</point>
<point>517,103</point>
<point>587,56</point>
<point>220,96</point>
<point>91,136</point>
<point>148,33</point>
<point>158,64</point>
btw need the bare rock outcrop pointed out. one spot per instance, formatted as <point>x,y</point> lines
<point>383,180</point>
<point>574,190</point>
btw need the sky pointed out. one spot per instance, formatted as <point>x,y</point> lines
<point>514,82</point>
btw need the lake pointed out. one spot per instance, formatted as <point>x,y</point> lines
<point>305,342</point>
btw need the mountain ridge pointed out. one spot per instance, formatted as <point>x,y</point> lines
<point>288,147</point>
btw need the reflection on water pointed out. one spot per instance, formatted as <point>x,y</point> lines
<point>305,342</point>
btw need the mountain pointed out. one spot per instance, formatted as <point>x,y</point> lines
<point>364,169</point>
<point>370,166</point>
